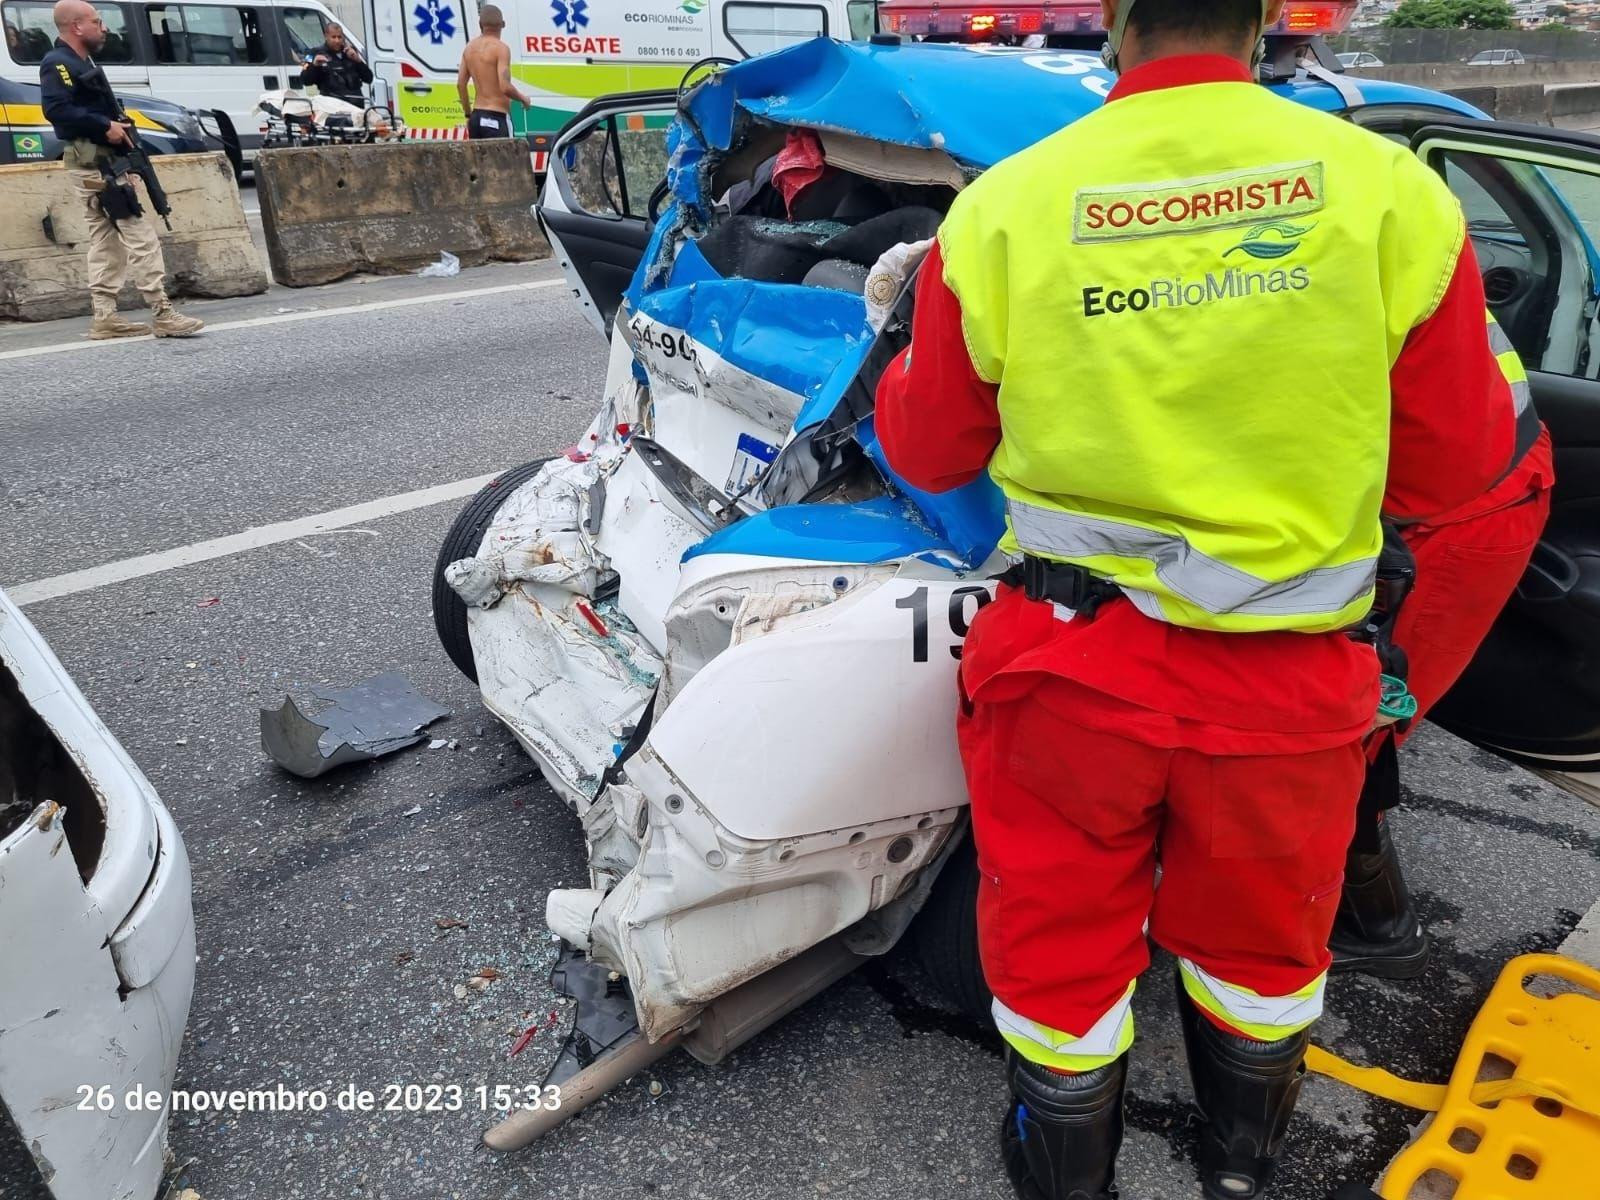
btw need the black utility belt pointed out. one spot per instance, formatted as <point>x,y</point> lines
<point>1066,584</point>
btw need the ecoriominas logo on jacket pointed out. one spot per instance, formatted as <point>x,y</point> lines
<point>1268,240</point>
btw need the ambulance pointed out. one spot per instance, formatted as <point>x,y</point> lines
<point>566,53</point>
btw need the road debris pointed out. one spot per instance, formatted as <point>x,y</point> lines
<point>448,267</point>
<point>209,602</point>
<point>484,977</point>
<point>412,811</point>
<point>448,923</point>
<point>605,1016</point>
<point>375,717</point>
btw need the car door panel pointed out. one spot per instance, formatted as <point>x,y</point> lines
<point>604,169</point>
<point>1531,196</point>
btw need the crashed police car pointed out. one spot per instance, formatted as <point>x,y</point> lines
<point>728,633</point>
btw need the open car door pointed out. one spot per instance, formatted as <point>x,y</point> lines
<point>1532,200</point>
<point>607,173</point>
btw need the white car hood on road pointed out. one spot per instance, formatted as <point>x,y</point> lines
<point>97,924</point>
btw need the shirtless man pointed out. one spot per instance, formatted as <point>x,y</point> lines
<point>486,62</point>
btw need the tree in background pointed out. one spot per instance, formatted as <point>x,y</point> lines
<point>1452,14</point>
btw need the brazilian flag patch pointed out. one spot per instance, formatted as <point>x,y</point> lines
<point>27,145</point>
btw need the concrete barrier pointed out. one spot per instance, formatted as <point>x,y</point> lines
<point>208,251</point>
<point>1443,76</point>
<point>331,211</point>
<point>1526,103</point>
<point>1575,107</point>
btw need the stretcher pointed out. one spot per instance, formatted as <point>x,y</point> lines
<point>1520,1117</point>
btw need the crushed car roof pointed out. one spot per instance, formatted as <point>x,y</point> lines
<point>942,96</point>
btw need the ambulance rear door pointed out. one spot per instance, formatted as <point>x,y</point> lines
<point>747,28</point>
<point>419,44</point>
<point>568,53</point>
<point>383,18</point>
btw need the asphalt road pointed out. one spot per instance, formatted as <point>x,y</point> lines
<point>321,959</point>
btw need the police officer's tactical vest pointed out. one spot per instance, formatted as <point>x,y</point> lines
<point>1191,301</point>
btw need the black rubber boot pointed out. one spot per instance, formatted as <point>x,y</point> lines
<point>1377,930</point>
<point>1061,1134</point>
<point>1246,1091</point>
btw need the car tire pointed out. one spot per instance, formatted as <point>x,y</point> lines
<point>463,540</point>
<point>945,935</point>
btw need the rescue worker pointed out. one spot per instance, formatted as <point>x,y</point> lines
<point>1468,562</point>
<point>83,110</point>
<point>1178,335</point>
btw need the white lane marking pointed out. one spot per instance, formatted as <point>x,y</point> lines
<point>1583,943</point>
<point>289,318</point>
<point>236,543</point>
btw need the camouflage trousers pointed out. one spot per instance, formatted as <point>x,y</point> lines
<point>128,250</point>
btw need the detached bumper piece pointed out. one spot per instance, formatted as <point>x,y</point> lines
<point>376,717</point>
<point>605,1013</point>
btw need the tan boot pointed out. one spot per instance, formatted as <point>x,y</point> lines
<point>172,323</point>
<point>111,325</point>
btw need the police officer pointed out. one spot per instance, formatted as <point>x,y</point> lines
<point>79,104</point>
<point>1193,338</point>
<point>337,69</point>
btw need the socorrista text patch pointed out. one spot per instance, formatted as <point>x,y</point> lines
<point>1195,205</point>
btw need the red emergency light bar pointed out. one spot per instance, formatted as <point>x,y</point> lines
<point>930,18</point>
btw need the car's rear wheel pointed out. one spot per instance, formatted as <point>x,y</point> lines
<point>463,540</point>
<point>945,934</point>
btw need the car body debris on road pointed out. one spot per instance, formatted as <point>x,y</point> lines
<point>355,724</point>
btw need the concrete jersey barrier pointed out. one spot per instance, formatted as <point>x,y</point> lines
<point>1445,76</point>
<point>1577,106</point>
<point>43,238</point>
<point>1568,106</point>
<point>331,211</point>
<point>1525,103</point>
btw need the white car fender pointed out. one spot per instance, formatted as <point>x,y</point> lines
<point>98,973</point>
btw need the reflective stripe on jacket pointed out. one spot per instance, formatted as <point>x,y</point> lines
<point>1191,301</point>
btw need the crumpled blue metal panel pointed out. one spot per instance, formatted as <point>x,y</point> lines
<point>977,104</point>
<point>932,96</point>
<point>969,519</point>
<point>947,97</point>
<point>793,336</point>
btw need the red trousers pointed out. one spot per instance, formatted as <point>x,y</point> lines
<point>1070,823</point>
<point>1468,564</point>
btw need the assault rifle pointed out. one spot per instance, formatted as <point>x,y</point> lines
<point>120,200</point>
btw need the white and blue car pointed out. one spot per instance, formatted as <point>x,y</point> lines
<point>724,629</point>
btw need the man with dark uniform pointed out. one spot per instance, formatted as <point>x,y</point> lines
<point>80,105</point>
<point>337,68</point>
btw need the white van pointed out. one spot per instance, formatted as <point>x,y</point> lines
<point>206,56</point>
<point>565,53</point>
